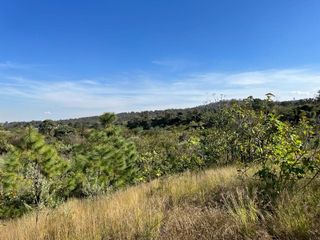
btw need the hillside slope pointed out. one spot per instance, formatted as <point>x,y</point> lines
<point>215,204</point>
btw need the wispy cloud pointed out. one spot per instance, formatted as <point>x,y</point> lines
<point>146,92</point>
<point>266,78</point>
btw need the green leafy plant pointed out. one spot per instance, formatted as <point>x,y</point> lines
<point>291,153</point>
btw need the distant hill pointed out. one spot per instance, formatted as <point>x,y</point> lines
<point>162,118</point>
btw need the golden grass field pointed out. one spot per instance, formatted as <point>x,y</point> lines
<point>214,204</point>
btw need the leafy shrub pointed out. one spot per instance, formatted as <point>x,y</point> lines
<point>290,153</point>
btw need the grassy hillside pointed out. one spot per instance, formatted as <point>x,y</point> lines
<point>215,204</point>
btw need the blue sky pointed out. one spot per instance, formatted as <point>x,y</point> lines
<point>63,59</point>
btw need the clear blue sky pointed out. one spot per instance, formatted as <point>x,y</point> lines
<point>61,59</point>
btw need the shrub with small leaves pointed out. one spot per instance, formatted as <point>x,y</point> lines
<point>290,154</point>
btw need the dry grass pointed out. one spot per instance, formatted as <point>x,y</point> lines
<point>210,205</point>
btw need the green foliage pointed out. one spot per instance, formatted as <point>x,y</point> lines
<point>104,161</point>
<point>290,153</point>
<point>47,127</point>
<point>167,152</point>
<point>107,119</point>
<point>235,135</point>
<point>5,145</point>
<point>215,147</point>
<point>64,132</point>
<point>283,152</point>
<point>30,175</point>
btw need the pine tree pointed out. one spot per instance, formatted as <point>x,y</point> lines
<point>107,119</point>
<point>105,161</point>
<point>30,173</point>
<point>5,146</point>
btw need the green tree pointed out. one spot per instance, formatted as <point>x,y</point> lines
<point>107,119</point>
<point>291,153</point>
<point>31,174</point>
<point>5,146</point>
<point>236,133</point>
<point>104,161</point>
<point>47,127</point>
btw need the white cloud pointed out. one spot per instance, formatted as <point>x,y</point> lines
<point>274,77</point>
<point>146,92</point>
<point>249,78</point>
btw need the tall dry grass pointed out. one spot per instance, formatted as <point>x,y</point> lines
<point>214,204</point>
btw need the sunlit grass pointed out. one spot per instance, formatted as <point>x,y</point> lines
<point>215,204</point>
